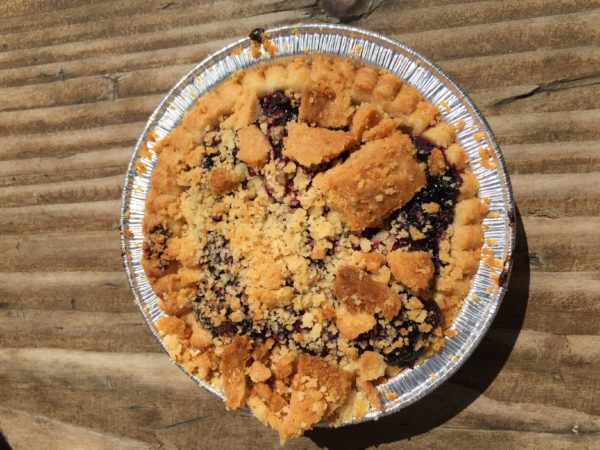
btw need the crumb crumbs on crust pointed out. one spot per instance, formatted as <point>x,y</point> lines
<point>324,105</point>
<point>233,367</point>
<point>486,158</point>
<point>478,136</point>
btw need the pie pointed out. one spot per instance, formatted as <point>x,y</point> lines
<point>311,230</point>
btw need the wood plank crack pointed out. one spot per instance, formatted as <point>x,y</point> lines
<point>559,85</point>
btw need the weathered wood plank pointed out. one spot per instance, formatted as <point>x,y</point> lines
<point>73,117</point>
<point>81,330</point>
<point>77,166</point>
<point>99,11</point>
<point>567,30</point>
<point>32,6</point>
<point>69,143</point>
<point>65,217</point>
<point>557,302</point>
<point>557,195</point>
<point>544,66</point>
<point>557,157</point>
<point>559,96</point>
<point>66,291</point>
<point>89,190</point>
<point>545,127</point>
<point>409,17</point>
<point>25,431</point>
<point>566,244</point>
<point>221,16</point>
<point>86,251</point>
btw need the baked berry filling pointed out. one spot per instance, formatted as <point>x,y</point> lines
<point>414,336</point>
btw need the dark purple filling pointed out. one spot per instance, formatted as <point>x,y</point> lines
<point>210,303</point>
<point>439,189</point>
<point>406,355</point>
<point>209,161</point>
<point>279,109</point>
<point>423,147</point>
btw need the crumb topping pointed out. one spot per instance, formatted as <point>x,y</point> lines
<point>311,229</point>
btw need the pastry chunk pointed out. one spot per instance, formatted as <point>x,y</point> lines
<point>366,117</point>
<point>361,294</point>
<point>387,87</point>
<point>377,179</point>
<point>436,162</point>
<point>423,117</point>
<point>311,146</point>
<point>364,83</point>
<point>371,365</point>
<point>324,106</point>
<point>442,134</point>
<point>233,368</point>
<point>405,102</point>
<point>353,324</point>
<point>413,269</point>
<point>221,181</point>
<point>255,147</point>
<point>317,389</point>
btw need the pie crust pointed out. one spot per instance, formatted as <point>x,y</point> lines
<point>311,229</point>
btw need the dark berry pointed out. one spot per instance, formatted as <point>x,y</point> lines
<point>256,34</point>
<point>423,147</point>
<point>208,162</point>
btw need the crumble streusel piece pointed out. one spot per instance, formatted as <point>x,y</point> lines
<point>413,269</point>
<point>255,147</point>
<point>311,146</point>
<point>361,294</point>
<point>378,178</point>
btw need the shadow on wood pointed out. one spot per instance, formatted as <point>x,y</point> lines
<point>4,445</point>
<point>463,388</point>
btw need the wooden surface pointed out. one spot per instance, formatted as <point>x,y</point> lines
<point>78,367</point>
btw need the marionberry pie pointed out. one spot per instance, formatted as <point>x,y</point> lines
<point>311,229</point>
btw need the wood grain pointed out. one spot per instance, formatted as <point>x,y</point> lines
<point>78,367</point>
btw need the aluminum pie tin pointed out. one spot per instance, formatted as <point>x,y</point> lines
<point>485,296</point>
